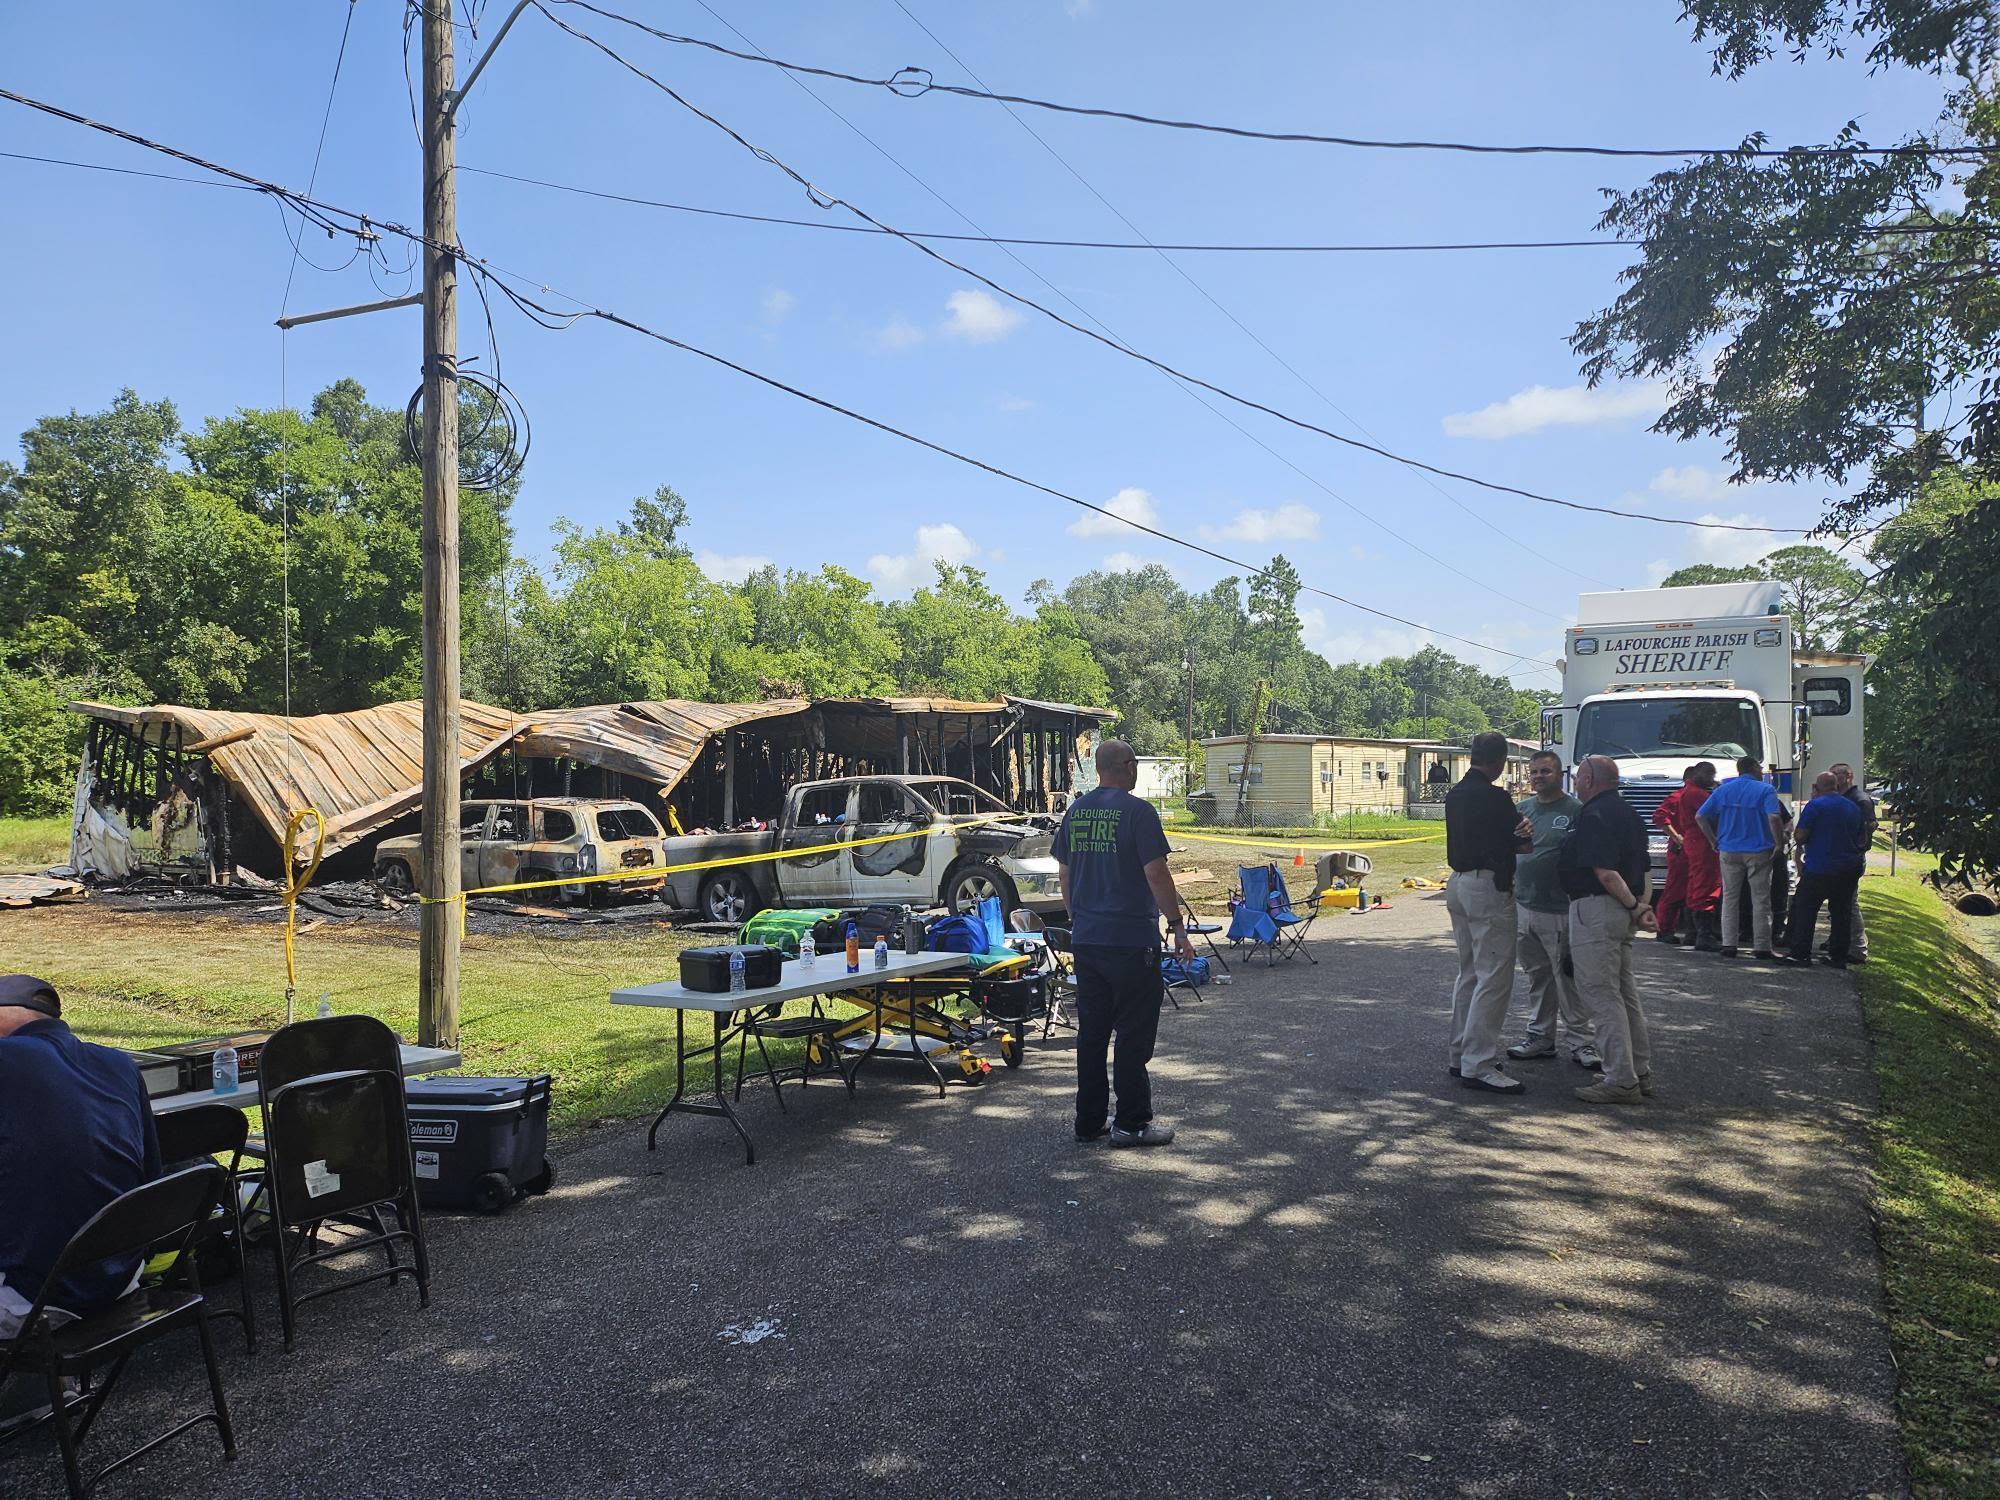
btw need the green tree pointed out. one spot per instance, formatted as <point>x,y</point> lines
<point>1696,574</point>
<point>1850,338</point>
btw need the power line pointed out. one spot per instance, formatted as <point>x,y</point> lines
<point>1033,243</point>
<point>312,179</point>
<point>1249,333</point>
<point>913,83</point>
<point>1105,328</point>
<point>92,166</point>
<point>553,318</point>
<point>823,199</point>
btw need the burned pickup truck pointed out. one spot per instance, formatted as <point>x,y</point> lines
<point>864,840</point>
<point>540,838</point>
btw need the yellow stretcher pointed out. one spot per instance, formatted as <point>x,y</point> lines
<point>908,1018</point>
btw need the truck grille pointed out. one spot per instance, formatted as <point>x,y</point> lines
<point>1644,797</point>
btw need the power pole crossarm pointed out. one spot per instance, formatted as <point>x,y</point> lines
<point>438,952</point>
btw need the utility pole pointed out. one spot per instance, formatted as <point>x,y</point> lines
<point>438,918</point>
<point>1187,780</point>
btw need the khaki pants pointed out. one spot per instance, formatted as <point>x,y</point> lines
<point>1600,945</point>
<point>1482,922</point>
<point>1755,864</point>
<point>1543,945</point>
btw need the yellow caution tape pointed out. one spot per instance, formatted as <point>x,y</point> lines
<point>297,878</point>
<point>650,872</point>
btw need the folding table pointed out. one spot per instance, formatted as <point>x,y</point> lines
<point>414,1060</point>
<point>829,976</point>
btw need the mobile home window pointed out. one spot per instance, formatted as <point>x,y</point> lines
<point>1236,775</point>
<point>1827,696</point>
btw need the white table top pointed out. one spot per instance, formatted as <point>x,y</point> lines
<point>415,1060</point>
<point>795,983</point>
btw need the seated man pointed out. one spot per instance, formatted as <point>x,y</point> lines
<point>76,1131</point>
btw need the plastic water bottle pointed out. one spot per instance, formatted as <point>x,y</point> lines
<point>225,1066</point>
<point>853,949</point>
<point>1361,898</point>
<point>881,953</point>
<point>737,982</point>
<point>325,1006</point>
<point>808,950</point>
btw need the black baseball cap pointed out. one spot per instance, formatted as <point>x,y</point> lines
<point>30,993</point>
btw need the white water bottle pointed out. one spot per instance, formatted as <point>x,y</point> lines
<point>225,1067</point>
<point>737,982</point>
<point>808,950</point>
<point>881,953</point>
<point>325,1006</point>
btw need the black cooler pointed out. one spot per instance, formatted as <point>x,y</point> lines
<point>478,1142</point>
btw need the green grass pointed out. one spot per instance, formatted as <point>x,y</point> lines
<point>1929,1003</point>
<point>1358,828</point>
<point>528,1004</point>
<point>31,845</point>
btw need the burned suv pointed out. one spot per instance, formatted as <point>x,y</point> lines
<point>542,838</point>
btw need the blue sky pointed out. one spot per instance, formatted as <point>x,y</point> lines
<point>1459,359</point>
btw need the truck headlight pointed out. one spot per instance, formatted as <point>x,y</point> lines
<point>586,859</point>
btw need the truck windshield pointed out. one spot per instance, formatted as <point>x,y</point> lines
<point>1626,728</point>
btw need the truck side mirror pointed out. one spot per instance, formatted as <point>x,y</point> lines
<point>1801,737</point>
<point>1552,728</point>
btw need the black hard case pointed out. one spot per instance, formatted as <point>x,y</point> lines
<point>707,969</point>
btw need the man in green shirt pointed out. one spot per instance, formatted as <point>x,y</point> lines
<point>1542,911</point>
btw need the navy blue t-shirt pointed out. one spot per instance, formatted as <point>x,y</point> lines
<point>1106,841</point>
<point>76,1130</point>
<point>1830,831</point>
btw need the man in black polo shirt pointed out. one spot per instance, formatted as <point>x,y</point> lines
<point>1603,867</point>
<point>1483,831</point>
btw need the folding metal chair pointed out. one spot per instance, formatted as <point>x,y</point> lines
<point>815,1030</point>
<point>1292,927</point>
<point>1206,931</point>
<point>1061,980</point>
<point>165,1214</point>
<point>214,1130</point>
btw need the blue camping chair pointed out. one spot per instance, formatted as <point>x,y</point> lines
<point>1267,918</point>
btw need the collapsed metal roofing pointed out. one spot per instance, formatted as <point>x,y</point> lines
<point>364,769</point>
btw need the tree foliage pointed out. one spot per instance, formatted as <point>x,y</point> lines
<point>1835,315</point>
<point>1825,594</point>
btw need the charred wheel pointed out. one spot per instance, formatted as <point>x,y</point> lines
<point>969,884</point>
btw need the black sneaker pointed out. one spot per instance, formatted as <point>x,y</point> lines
<point>1152,1133</point>
<point>1084,1137</point>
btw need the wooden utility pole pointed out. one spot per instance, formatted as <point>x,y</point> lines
<point>1249,752</point>
<point>437,994</point>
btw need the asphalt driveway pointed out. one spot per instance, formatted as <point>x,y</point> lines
<point>1349,1278</point>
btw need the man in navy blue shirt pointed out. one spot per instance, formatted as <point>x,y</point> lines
<point>76,1131</point>
<point>1112,852</point>
<point>1830,862</point>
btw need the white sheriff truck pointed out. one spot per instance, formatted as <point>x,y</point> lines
<point>1658,679</point>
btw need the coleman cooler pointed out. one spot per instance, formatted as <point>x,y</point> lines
<point>707,969</point>
<point>478,1142</point>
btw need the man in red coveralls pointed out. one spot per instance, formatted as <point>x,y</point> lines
<point>1704,869</point>
<point>1672,899</point>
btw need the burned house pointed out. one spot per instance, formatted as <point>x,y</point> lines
<point>205,794</point>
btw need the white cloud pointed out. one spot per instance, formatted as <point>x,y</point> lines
<point>1129,504</point>
<point>979,317</point>
<point>1693,482</point>
<point>778,305</point>
<point>1291,522</point>
<point>1542,406</point>
<point>1358,645</point>
<point>1731,549</point>
<point>729,568</point>
<point>1656,571</point>
<point>1016,403</point>
<point>912,569</point>
<point>896,335</point>
<point>1076,10</point>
